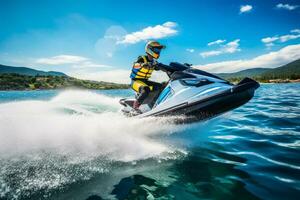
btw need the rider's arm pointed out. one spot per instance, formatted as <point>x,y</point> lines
<point>162,67</point>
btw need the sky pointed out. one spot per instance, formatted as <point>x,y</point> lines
<point>100,39</point>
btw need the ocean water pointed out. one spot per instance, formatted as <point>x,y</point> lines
<point>76,145</point>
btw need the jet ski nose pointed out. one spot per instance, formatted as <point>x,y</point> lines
<point>245,84</point>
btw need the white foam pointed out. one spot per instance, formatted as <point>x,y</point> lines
<point>79,122</point>
<point>47,144</point>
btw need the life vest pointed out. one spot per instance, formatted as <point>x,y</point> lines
<point>141,72</point>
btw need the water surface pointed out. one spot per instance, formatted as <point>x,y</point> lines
<point>59,144</point>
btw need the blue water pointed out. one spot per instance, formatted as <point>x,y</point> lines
<point>76,145</point>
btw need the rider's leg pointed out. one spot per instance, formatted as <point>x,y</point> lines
<point>143,90</point>
<point>155,86</point>
<point>143,93</point>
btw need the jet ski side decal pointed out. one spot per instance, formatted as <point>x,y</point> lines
<point>163,96</point>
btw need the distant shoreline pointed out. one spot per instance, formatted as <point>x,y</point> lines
<point>277,81</point>
<point>273,81</point>
<point>284,81</point>
<point>28,83</point>
<point>68,88</point>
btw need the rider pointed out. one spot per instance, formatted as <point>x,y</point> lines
<point>142,70</point>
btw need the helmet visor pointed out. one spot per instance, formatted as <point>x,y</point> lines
<point>156,50</point>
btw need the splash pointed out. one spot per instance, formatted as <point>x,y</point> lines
<point>71,137</point>
<point>79,122</point>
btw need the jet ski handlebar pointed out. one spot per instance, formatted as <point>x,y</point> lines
<point>173,67</point>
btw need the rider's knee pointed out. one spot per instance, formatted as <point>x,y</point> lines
<point>144,89</point>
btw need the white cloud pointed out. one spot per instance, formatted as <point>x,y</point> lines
<point>190,50</point>
<point>269,45</point>
<point>269,60</point>
<point>269,39</point>
<point>151,32</point>
<point>210,53</point>
<point>282,38</point>
<point>107,45</point>
<point>287,6</point>
<point>230,47</point>
<point>116,36</point>
<point>295,31</point>
<point>74,61</point>
<point>61,59</point>
<point>89,64</point>
<point>216,42</point>
<point>285,38</point>
<point>114,75</point>
<point>245,8</point>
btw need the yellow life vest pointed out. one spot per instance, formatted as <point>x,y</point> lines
<point>142,72</point>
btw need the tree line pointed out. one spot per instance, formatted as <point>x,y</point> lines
<point>14,81</point>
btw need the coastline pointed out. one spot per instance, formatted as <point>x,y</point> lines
<point>29,83</point>
<point>284,81</point>
<point>65,88</point>
<point>279,81</point>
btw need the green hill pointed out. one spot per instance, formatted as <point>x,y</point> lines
<point>244,73</point>
<point>24,82</point>
<point>4,69</point>
<point>290,71</point>
<point>23,78</point>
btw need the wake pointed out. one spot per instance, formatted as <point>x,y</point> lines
<point>79,122</point>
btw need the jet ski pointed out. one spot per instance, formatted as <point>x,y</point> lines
<point>192,94</point>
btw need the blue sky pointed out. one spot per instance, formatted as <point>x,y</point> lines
<point>100,39</point>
